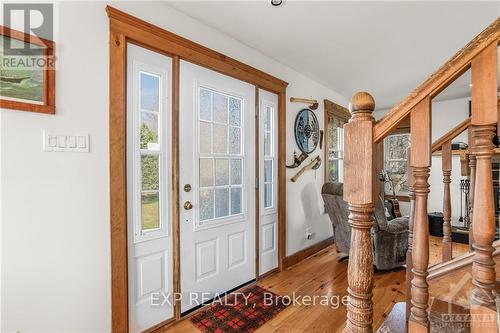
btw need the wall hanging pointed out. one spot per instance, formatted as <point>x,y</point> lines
<point>313,165</point>
<point>306,131</point>
<point>27,74</point>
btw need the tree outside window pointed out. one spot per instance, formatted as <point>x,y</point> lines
<point>395,163</point>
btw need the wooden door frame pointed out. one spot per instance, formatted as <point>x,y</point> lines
<point>123,29</point>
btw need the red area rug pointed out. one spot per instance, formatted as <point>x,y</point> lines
<point>243,311</point>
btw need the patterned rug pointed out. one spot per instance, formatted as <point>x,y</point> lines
<point>242,312</point>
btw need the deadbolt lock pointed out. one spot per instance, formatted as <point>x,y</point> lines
<point>187,188</point>
<point>188,205</point>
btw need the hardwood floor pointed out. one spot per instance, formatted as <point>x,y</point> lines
<point>435,256</point>
<point>322,274</point>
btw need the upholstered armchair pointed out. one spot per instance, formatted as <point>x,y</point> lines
<point>389,238</point>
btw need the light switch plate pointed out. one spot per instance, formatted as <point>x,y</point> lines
<point>57,142</point>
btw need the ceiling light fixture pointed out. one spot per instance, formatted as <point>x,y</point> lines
<point>276,3</point>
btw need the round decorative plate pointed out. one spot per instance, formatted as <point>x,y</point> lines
<point>306,131</point>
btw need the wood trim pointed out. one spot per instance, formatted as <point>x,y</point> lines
<point>118,181</point>
<point>307,252</point>
<point>49,75</point>
<point>332,109</point>
<point>438,81</point>
<point>281,178</point>
<point>176,227</point>
<point>457,263</point>
<point>126,28</point>
<point>170,43</point>
<point>450,135</point>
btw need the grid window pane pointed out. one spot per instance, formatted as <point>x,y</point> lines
<point>236,172</point>
<point>236,199</point>
<point>234,111</point>
<point>206,172</point>
<point>268,171</point>
<point>268,195</point>
<point>234,140</point>
<point>149,131</point>
<point>220,139</point>
<point>221,202</point>
<point>205,104</point>
<point>220,108</point>
<point>333,170</point>
<point>206,204</point>
<point>267,118</point>
<point>205,138</point>
<point>150,91</point>
<point>221,172</point>
<point>267,144</point>
<point>150,211</point>
<point>150,172</point>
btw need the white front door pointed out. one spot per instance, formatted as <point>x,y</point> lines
<point>148,187</point>
<point>217,177</point>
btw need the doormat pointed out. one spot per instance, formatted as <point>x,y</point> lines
<point>239,312</point>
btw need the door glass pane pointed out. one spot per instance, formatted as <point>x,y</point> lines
<point>220,108</point>
<point>268,171</point>
<point>206,172</point>
<point>150,211</point>
<point>205,138</point>
<point>221,202</point>
<point>149,131</point>
<point>150,172</point>
<point>268,195</point>
<point>236,172</point>
<point>236,200</point>
<point>267,118</point>
<point>221,172</point>
<point>234,111</point>
<point>206,204</point>
<point>205,104</point>
<point>220,139</point>
<point>267,144</point>
<point>150,91</point>
<point>234,140</point>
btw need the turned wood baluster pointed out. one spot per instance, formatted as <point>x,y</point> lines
<point>484,117</point>
<point>359,193</point>
<point>446,167</point>
<point>420,161</point>
<point>409,262</point>
<point>472,182</point>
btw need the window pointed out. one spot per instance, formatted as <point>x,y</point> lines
<point>335,148</point>
<point>269,156</point>
<point>221,156</point>
<point>395,163</point>
<point>149,150</point>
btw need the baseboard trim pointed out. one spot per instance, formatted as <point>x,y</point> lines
<point>307,252</point>
<point>456,263</point>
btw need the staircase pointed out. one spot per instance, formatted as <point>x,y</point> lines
<point>363,138</point>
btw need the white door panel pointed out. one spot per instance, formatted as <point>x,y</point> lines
<point>268,181</point>
<point>148,186</point>
<point>217,158</point>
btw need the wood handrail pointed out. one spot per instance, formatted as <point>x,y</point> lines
<point>446,74</point>
<point>452,134</point>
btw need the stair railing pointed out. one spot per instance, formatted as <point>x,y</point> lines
<point>362,133</point>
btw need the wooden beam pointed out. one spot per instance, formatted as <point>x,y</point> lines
<point>452,134</point>
<point>438,81</point>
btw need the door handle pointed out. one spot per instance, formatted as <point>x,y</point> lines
<point>188,205</point>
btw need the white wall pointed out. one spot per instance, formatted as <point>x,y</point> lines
<point>445,115</point>
<point>55,206</point>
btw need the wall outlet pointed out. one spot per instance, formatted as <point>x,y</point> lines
<point>309,234</point>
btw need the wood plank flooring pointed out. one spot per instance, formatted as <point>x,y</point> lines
<point>320,275</point>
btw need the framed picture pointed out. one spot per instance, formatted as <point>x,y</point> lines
<point>27,72</point>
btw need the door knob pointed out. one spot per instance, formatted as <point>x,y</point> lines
<point>188,205</point>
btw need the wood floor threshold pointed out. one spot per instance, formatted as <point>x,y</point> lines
<point>457,263</point>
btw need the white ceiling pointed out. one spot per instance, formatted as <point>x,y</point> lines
<point>385,48</point>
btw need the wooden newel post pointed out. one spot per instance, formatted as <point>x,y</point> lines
<point>409,261</point>
<point>359,193</point>
<point>484,118</point>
